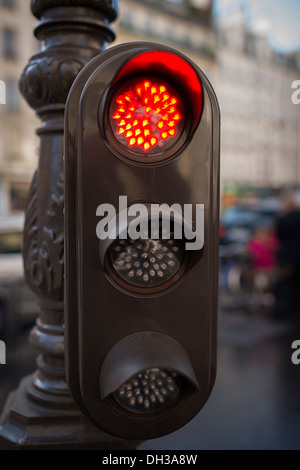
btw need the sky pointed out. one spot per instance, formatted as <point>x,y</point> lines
<point>279,19</point>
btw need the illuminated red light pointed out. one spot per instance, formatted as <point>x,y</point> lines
<point>146,114</point>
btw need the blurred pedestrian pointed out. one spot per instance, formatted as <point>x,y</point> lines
<point>262,250</point>
<point>287,290</point>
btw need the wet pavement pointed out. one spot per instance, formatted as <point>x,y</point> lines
<point>255,403</point>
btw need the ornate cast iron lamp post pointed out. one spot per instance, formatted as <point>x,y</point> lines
<point>41,412</point>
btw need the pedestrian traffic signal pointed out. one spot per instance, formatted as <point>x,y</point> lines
<point>141,239</point>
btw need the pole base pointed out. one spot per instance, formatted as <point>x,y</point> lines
<point>25,425</point>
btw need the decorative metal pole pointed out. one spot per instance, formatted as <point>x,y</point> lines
<point>41,412</point>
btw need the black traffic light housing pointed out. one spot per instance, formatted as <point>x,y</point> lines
<point>141,312</point>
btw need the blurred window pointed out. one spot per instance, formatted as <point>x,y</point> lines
<point>10,242</point>
<point>127,19</point>
<point>12,96</point>
<point>9,43</point>
<point>148,26</point>
<point>18,196</point>
<point>8,3</point>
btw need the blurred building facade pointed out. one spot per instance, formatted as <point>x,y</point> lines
<point>186,26</point>
<point>18,142</point>
<point>260,124</point>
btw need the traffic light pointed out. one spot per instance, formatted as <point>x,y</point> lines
<point>141,240</point>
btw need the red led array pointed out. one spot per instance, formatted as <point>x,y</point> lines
<point>146,115</point>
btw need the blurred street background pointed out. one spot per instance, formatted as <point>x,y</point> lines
<point>250,51</point>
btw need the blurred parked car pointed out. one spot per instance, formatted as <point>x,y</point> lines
<point>18,306</point>
<point>239,223</point>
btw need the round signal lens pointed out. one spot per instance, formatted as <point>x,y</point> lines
<point>146,116</point>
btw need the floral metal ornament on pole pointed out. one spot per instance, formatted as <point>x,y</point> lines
<point>41,413</point>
